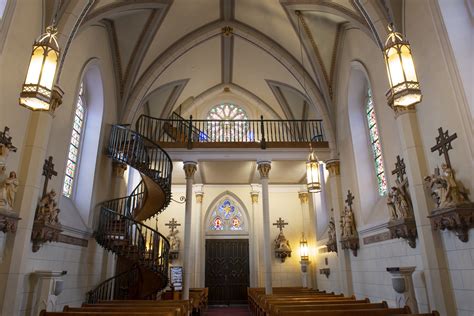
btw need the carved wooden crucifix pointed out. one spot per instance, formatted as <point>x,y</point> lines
<point>349,199</point>
<point>400,169</point>
<point>172,224</point>
<point>48,173</point>
<point>443,144</point>
<point>280,223</point>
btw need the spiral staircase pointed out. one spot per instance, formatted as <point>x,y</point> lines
<point>142,252</point>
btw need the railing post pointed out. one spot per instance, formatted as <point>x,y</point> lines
<point>263,143</point>
<point>190,133</point>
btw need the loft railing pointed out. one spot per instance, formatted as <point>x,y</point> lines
<point>189,132</point>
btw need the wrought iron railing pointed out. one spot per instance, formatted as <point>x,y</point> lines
<point>179,130</point>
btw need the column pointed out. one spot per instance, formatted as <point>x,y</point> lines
<point>198,257</point>
<point>440,293</point>
<point>118,179</point>
<point>189,170</point>
<point>30,177</point>
<point>310,237</point>
<point>343,256</point>
<point>264,169</point>
<point>254,224</point>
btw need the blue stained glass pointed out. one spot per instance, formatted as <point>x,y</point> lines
<point>226,216</point>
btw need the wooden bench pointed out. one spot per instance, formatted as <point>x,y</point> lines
<point>294,307</point>
<point>353,312</point>
<point>45,313</point>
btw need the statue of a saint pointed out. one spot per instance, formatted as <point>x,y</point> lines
<point>332,230</point>
<point>391,203</point>
<point>48,211</point>
<point>11,187</point>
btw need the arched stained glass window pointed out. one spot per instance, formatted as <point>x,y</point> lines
<point>75,143</point>
<point>232,125</point>
<point>375,144</point>
<point>227,216</point>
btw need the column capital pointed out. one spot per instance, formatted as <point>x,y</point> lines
<point>333,166</point>
<point>303,196</point>
<point>254,196</point>
<point>199,196</point>
<point>190,168</point>
<point>118,169</point>
<point>264,168</point>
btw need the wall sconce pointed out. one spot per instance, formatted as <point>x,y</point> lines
<point>37,90</point>
<point>404,86</point>
<point>304,250</point>
<point>312,173</point>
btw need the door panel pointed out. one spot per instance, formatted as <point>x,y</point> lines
<point>227,270</point>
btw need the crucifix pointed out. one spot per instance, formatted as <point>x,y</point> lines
<point>280,224</point>
<point>172,224</point>
<point>400,168</point>
<point>48,172</point>
<point>349,199</point>
<point>443,144</point>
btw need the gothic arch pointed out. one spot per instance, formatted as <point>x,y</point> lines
<point>245,232</point>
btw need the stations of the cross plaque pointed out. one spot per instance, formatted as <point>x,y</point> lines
<point>172,224</point>
<point>280,223</point>
<point>349,199</point>
<point>443,144</point>
<point>6,139</point>
<point>400,169</point>
<point>48,172</point>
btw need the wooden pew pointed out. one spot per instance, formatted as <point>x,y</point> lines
<point>185,304</point>
<point>176,310</point>
<point>45,313</point>
<point>264,300</point>
<point>354,312</point>
<point>277,309</point>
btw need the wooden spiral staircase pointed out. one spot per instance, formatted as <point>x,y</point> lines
<point>142,252</point>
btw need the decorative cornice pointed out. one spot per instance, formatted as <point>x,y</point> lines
<point>400,110</point>
<point>254,196</point>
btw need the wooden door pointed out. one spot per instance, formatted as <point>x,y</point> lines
<point>227,271</point>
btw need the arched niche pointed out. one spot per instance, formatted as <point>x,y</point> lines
<point>83,190</point>
<point>369,198</point>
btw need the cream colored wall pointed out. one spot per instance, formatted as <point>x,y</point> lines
<point>284,203</point>
<point>440,107</point>
<point>85,266</point>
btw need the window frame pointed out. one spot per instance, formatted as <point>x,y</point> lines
<point>382,189</point>
<point>83,97</point>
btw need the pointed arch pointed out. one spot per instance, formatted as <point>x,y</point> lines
<point>214,205</point>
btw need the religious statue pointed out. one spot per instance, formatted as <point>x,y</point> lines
<point>332,240</point>
<point>6,146</point>
<point>48,211</point>
<point>454,211</point>
<point>446,190</point>
<point>174,240</point>
<point>349,235</point>
<point>11,187</point>
<point>402,222</point>
<point>348,224</point>
<point>282,246</point>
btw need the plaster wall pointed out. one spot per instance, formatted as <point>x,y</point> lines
<point>85,266</point>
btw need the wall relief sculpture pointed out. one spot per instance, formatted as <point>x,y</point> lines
<point>281,244</point>
<point>454,211</point>
<point>402,221</point>
<point>8,185</point>
<point>46,227</point>
<point>332,240</point>
<point>173,239</point>
<point>349,235</point>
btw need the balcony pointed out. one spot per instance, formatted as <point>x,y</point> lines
<point>177,132</point>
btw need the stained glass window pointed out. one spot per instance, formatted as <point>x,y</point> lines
<point>375,144</point>
<point>232,125</point>
<point>226,216</point>
<point>74,144</point>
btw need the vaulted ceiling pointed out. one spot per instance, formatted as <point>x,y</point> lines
<point>281,54</point>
